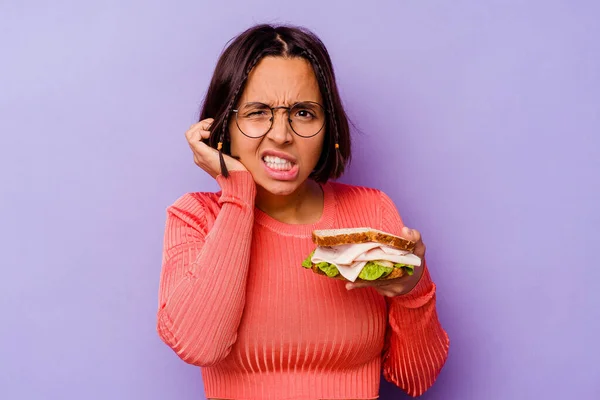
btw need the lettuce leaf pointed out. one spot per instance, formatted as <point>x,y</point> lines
<point>373,270</point>
<point>307,263</point>
<point>329,269</point>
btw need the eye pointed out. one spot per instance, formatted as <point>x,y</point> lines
<point>256,113</point>
<point>304,114</point>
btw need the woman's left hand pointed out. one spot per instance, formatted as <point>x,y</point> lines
<point>404,284</point>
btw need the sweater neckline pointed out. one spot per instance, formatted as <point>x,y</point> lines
<point>325,222</point>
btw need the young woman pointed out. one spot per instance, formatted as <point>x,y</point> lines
<point>234,298</point>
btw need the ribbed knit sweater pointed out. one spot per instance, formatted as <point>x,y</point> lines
<point>235,300</point>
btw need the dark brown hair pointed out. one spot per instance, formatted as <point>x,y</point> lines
<point>241,56</point>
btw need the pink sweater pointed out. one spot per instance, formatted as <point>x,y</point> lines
<point>235,300</point>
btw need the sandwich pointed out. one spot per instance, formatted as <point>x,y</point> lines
<point>361,254</point>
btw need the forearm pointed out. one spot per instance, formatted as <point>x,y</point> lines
<point>418,345</point>
<point>200,314</point>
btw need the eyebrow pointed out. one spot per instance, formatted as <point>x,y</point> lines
<point>288,104</point>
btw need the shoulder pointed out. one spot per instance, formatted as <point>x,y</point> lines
<point>368,205</point>
<point>358,194</point>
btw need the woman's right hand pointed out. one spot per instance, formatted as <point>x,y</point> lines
<point>205,156</point>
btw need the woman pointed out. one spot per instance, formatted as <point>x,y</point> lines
<point>234,298</point>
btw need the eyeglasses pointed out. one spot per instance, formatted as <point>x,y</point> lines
<point>255,120</point>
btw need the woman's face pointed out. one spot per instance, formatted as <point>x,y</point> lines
<point>280,161</point>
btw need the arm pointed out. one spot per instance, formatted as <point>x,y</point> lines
<point>416,345</point>
<point>203,279</point>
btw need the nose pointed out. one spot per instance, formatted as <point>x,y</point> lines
<point>281,131</point>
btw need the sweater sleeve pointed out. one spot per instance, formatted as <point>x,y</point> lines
<point>416,345</point>
<point>204,270</point>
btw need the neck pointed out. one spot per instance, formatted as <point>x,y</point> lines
<point>303,206</point>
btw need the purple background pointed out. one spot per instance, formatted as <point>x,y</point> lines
<point>481,119</point>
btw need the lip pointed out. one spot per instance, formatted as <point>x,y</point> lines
<point>281,175</point>
<point>277,174</point>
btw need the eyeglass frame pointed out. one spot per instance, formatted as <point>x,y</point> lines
<point>288,109</point>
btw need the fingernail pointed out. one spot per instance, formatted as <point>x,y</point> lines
<point>406,230</point>
<point>349,286</point>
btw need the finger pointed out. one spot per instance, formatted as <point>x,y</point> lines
<point>358,285</point>
<point>202,127</point>
<point>411,234</point>
<point>414,236</point>
<point>202,150</point>
<point>193,134</point>
<point>203,153</point>
<point>353,285</point>
<point>197,134</point>
<point>204,134</point>
<point>419,250</point>
<point>382,292</point>
<point>189,134</point>
<point>205,124</point>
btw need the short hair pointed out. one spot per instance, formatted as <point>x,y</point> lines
<point>237,61</point>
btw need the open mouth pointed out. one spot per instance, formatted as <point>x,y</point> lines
<point>278,164</point>
<point>280,169</point>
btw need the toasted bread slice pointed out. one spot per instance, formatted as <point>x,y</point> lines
<point>336,237</point>
<point>396,273</point>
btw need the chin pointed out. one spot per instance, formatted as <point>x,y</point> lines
<point>279,188</point>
